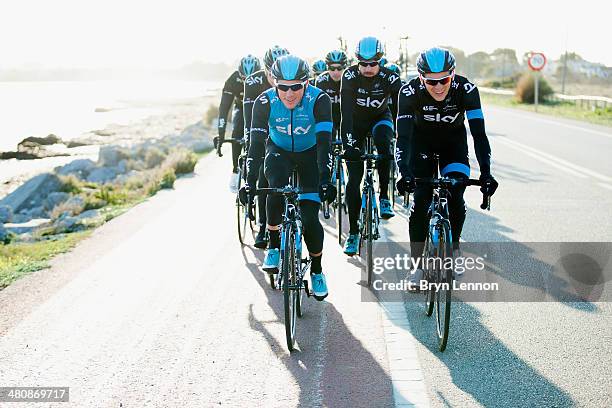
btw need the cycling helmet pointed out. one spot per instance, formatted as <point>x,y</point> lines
<point>435,59</point>
<point>395,68</point>
<point>248,65</point>
<point>319,67</point>
<point>383,62</point>
<point>290,67</point>
<point>336,57</point>
<point>272,54</point>
<point>369,48</point>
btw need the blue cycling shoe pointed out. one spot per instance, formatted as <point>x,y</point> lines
<point>351,246</point>
<point>386,210</point>
<point>271,260</point>
<point>319,286</point>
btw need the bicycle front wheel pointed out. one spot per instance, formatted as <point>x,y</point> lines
<point>369,236</point>
<point>242,216</point>
<point>444,276</point>
<point>289,279</point>
<point>339,203</point>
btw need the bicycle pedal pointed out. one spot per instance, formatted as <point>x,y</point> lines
<point>306,289</point>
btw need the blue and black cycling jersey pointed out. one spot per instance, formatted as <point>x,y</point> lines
<point>424,121</point>
<point>364,98</point>
<point>296,130</point>
<point>331,88</point>
<point>254,85</point>
<point>232,92</point>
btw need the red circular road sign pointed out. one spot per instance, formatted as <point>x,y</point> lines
<point>536,61</point>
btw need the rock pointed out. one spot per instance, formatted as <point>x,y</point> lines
<point>75,202</point>
<point>32,193</point>
<point>20,218</point>
<point>41,141</point>
<point>54,199</point>
<point>200,146</point>
<point>122,167</point>
<point>65,224</point>
<point>80,168</point>
<point>37,212</point>
<point>27,227</point>
<point>6,214</point>
<point>76,143</point>
<point>110,156</point>
<point>102,175</point>
<point>18,156</point>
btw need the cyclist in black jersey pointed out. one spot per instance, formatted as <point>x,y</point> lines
<point>255,85</point>
<point>318,68</point>
<point>431,113</point>
<point>233,92</point>
<point>329,82</point>
<point>365,91</point>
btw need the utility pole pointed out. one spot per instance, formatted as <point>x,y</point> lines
<point>404,42</point>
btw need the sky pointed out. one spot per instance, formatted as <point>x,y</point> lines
<point>169,34</point>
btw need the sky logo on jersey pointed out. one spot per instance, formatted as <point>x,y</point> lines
<point>335,99</point>
<point>408,90</point>
<point>438,118</point>
<point>349,74</point>
<point>300,130</point>
<point>369,102</point>
<point>251,80</point>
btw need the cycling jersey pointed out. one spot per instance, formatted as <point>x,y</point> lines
<point>232,92</point>
<point>420,116</point>
<point>254,85</point>
<point>364,98</point>
<point>331,88</point>
<point>295,130</point>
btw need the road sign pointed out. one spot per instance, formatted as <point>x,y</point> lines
<point>536,61</point>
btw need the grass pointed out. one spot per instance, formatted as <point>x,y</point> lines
<point>19,259</point>
<point>568,110</point>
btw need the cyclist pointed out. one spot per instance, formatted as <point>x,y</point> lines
<point>296,121</point>
<point>329,82</point>
<point>254,85</point>
<point>365,91</point>
<point>233,92</point>
<point>432,110</point>
<point>318,68</point>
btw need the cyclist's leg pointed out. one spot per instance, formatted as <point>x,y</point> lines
<point>454,162</point>
<point>353,194</point>
<point>422,195</point>
<point>262,182</point>
<point>237,134</point>
<point>276,171</point>
<point>383,134</point>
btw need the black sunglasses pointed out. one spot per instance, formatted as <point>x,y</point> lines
<point>294,87</point>
<point>335,68</point>
<point>368,64</point>
<point>443,81</point>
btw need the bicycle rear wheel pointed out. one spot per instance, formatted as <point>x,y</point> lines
<point>445,276</point>
<point>339,201</point>
<point>242,216</point>
<point>428,275</point>
<point>369,236</point>
<point>289,274</point>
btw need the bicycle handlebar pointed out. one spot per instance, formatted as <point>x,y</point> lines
<point>365,157</point>
<point>447,183</point>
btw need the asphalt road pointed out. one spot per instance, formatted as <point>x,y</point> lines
<point>162,307</point>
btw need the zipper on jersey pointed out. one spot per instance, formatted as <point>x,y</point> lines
<point>291,132</point>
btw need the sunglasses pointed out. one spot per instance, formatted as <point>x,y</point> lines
<point>294,87</point>
<point>443,81</point>
<point>335,68</point>
<point>368,64</point>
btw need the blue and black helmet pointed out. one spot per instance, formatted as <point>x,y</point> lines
<point>383,62</point>
<point>248,65</point>
<point>289,68</point>
<point>435,59</point>
<point>336,57</point>
<point>319,67</point>
<point>369,48</point>
<point>395,68</point>
<point>272,55</point>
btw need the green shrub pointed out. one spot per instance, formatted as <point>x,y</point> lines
<point>70,184</point>
<point>167,178</point>
<point>71,207</point>
<point>211,114</point>
<point>525,88</point>
<point>154,157</point>
<point>182,161</point>
<point>111,194</point>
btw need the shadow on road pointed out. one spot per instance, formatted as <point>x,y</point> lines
<point>331,366</point>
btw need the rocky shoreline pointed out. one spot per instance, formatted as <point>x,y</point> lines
<point>98,172</point>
